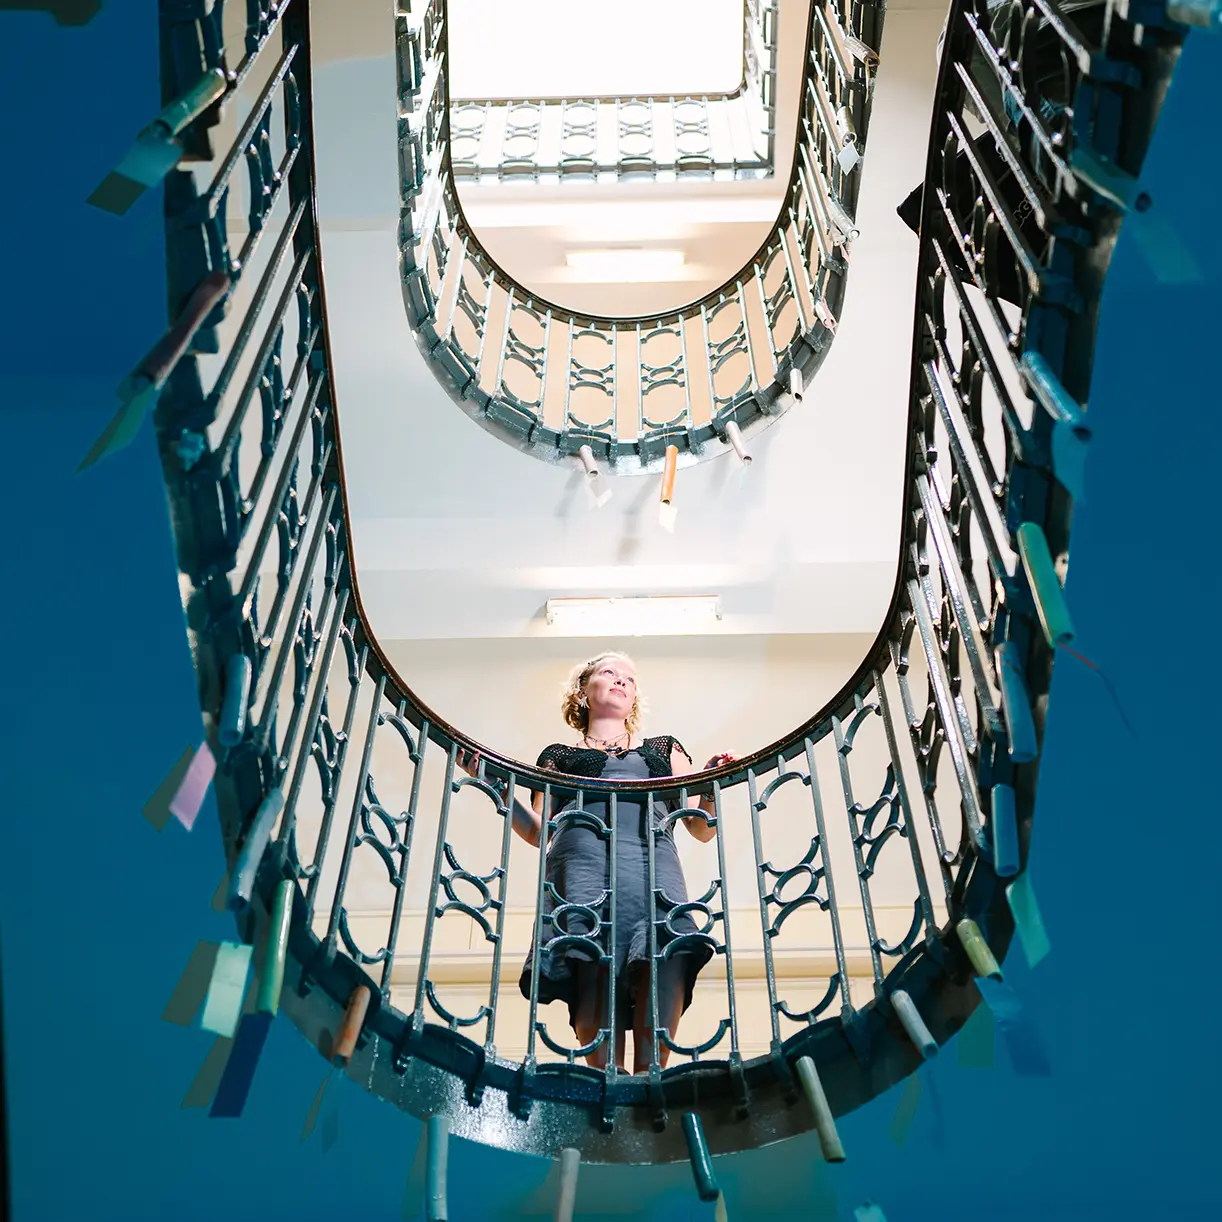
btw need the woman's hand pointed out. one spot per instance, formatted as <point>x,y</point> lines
<point>468,761</point>
<point>526,821</point>
<point>701,828</point>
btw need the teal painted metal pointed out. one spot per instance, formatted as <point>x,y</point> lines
<point>256,496</point>
<point>698,1152</point>
<point>1016,704</point>
<point>1004,826</point>
<point>232,729</point>
<point>437,1137</point>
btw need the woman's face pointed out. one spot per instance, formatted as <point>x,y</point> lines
<point>611,688</point>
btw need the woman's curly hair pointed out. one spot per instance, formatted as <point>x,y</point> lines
<point>576,714</point>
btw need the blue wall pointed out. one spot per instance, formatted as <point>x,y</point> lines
<point>98,913</point>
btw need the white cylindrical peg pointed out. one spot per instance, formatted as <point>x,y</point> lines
<point>825,315</point>
<point>796,386</point>
<point>841,219</point>
<point>734,435</point>
<point>844,125</point>
<point>914,1024</point>
<point>825,1122</point>
<point>437,1137</point>
<point>566,1196</point>
<point>587,461</point>
<point>859,51</point>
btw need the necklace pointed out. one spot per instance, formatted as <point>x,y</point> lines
<point>607,744</point>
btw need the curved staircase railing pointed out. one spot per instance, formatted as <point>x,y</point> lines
<point>665,138</point>
<point>550,380</point>
<point>333,777</point>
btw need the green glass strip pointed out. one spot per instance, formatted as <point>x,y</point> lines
<point>1027,919</point>
<point>1050,602</point>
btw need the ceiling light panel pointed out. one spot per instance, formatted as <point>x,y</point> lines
<point>623,266</point>
<point>667,615</point>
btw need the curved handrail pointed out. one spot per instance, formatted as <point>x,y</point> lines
<point>976,614</point>
<point>551,380</point>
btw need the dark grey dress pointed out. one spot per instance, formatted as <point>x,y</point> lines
<point>577,874</point>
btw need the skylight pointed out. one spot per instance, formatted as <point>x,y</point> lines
<point>588,48</point>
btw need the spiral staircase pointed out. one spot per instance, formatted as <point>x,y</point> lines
<point>299,700</point>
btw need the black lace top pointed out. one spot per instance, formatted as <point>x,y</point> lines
<point>588,762</point>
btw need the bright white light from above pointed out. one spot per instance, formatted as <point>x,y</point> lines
<point>668,615</point>
<point>589,48</point>
<point>623,266</point>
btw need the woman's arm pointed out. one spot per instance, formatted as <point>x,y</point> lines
<point>527,820</point>
<point>682,765</point>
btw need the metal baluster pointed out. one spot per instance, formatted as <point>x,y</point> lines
<point>288,823</point>
<point>687,390</point>
<point>735,1055</point>
<point>862,873</point>
<point>816,797</point>
<point>751,363</point>
<point>655,897</point>
<point>500,364</point>
<point>545,827</point>
<point>341,883</point>
<point>801,319</point>
<point>452,309</point>
<point>246,591</point>
<point>430,917</point>
<point>769,967</point>
<point>613,938</point>
<point>568,381</point>
<point>330,800</point>
<point>909,831</point>
<point>263,355</point>
<point>490,282</point>
<point>271,691</point>
<point>640,385</point>
<point>498,945</point>
<point>405,852</point>
<point>950,722</point>
<point>542,375</point>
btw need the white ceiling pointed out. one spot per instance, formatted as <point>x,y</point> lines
<point>588,48</point>
<point>458,535</point>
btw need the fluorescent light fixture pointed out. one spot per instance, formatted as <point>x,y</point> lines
<point>659,615</point>
<point>629,219</point>
<point>623,266</point>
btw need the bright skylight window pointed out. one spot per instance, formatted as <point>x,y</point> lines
<point>589,48</point>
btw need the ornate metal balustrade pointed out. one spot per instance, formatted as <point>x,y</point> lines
<point>335,777</point>
<point>551,381</point>
<point>722,137</point>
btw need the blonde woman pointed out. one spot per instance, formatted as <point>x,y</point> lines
<point>602,704</point>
